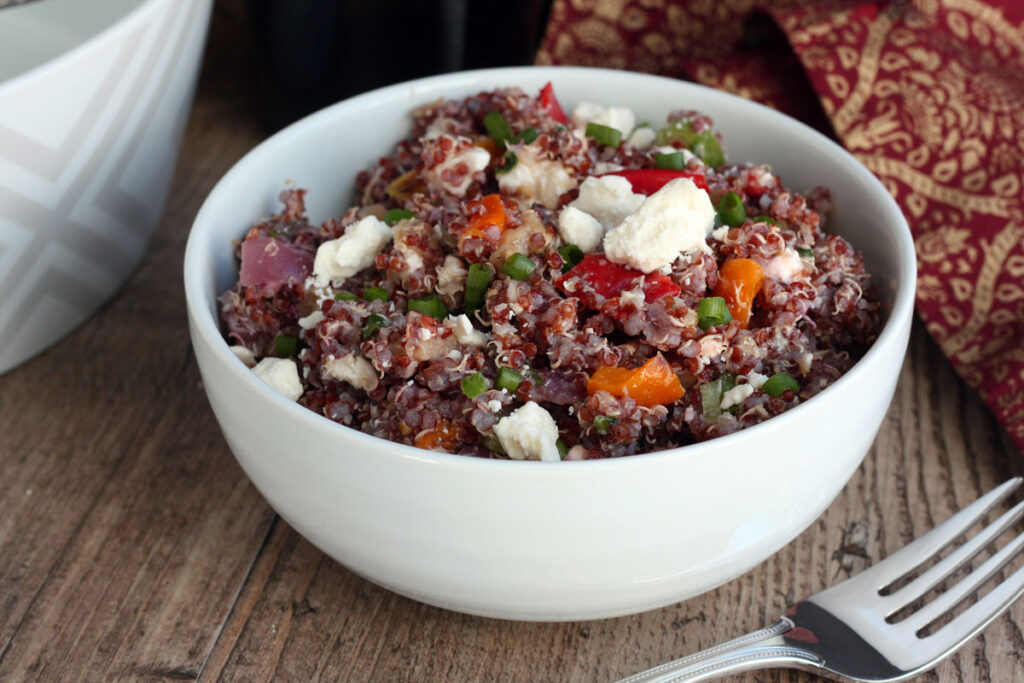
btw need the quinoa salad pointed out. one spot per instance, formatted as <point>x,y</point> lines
<point>515,281</point>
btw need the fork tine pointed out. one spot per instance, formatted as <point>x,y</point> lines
<point>911,556</point>
<point>949,564</point>
<point>966,586</point>
<point>977,616</point>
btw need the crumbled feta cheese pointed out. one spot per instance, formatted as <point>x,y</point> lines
<point>737,395</point>
<point>756,379</point>
<point>310,321</point>
<point>676,218</point>
<point>609,199</point>
<point>244,354</point>
<point>580,228</point>
<point>353,369</point>
<point>785,266</point>
<point>633,298</point>
<point>529,433</point>
<point>282,375</point>
<point>643,137</point>
<point>720,233</point>
<point>345,256</point>
<point>620,118</point>
<point>475,159</point>
<point>494,405</point>
<point>535,177</point>
<point>465,333</point>
<point>451,277</point>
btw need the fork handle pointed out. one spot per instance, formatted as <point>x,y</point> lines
<point>764,649</point>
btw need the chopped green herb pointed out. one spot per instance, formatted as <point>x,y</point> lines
<point>526,136</point>
<point>604,135</point>
<point>374,323</point>
<point>429,305</point>
<point>518,266</point>
<point>602,423</point>
<point>345,296</point>
<point>672,160</point>
<point>805,252</point>
<point>272,233</point>
<point>571,255</point>
<point>474,385</point>
<point>286,345</point>
<point>563,448</point>
<point>508,379</point>
<point>731,210</point>
<point>375,294</point>
<point>510,161</point>
<point>706,146</point>
<point>392,216</point>
<point>712,311</point>
<point>779,384</point>
<point>497,127</point>
<point>764,219</point>
<point>477,281</point>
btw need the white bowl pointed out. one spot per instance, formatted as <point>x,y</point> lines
<point>532,540</point>
<point>93,102</point>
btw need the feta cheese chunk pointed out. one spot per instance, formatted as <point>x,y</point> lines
<point>643,137</point>
<point>465,333</point>
<point>462,161</point>
<point>352,369</point>
<point>785,266</point>
<point>529,433</point>
<point>345,256</point>
<point>535,177</point>
<point>282,375</point>
<point>310,321</point>
<point>620,118</point>
<point>756,379</point>
<point>609,199</point>
<point>676,218</point>
<point>580,228</point>
<point>737,395</point>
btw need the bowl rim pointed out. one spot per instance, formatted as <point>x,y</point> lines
<point>207,326</point>
<point>89,43</point>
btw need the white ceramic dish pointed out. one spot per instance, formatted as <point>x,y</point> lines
<point>93,102</point>
<point>531,540</point>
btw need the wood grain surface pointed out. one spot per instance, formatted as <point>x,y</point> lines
<point>132,547</point>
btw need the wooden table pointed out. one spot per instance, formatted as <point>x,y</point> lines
<point>133,547</point>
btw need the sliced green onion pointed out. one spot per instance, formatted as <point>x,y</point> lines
<point>677,131</point>
<point>731,211</point>
<point>563,448</point>
<point>764,219</point>
<point>345,296</point>
<point>286,345</point>
<point>712,311</point>
<point>429,305</point>
<point>477,281</point>
<point>706,146</point>
<point>673,160</point>
<point>510,161</point>
<point>528,135</point>
<point>518,266</point>
<point>805,252</point>
<point>711,398</point>
<point>604,135</point>
<point>375,294</point>
<point>571,255</point>
<point>508,379</point>
<point>602,423</point>
<point>777,385</point>
<point>474,385</point>
<point>373,325</point>
<point>392,216</point>
<point>497,127</point>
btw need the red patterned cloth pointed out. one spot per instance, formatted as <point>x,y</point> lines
<point>928,94</point>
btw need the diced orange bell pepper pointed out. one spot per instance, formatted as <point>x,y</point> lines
<point>443,437</point>
<point>493,214</point>
<point>739,281</point>
<point>652,384</point>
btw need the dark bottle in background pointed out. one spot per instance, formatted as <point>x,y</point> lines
<point>315,52</point>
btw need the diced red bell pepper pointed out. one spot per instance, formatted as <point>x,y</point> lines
<point>650,180</point>
<point>550,102</point>
<point>610,279</point>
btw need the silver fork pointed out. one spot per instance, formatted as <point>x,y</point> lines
<point>845,631</point>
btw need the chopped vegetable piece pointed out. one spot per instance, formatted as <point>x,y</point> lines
<point>487,219</point>
<point>653,383</point>
<point>443,437</point>
<point>345,296</point>
<point>711,399</point>
<point>739,281</point>
<point>375,294</point>
<point>497,127</point>
<point>508,379</point>
<point>550,102</point>
<point>673,160</point>
<point>731,210</point>
<point>392,216</point>
<point>712,311</point>
<point>706,146</point>
<point>571,255</point>
<point>610,279</point>
<point>474,385</point>
<point>527,136</point>
<point>805,252</point>
<point>776,385</point>
<point>677,131</point>
<point>764,219</point>
<point>602,423</point>
<point>492,443</point>
<point>508,163</point>
<point>477,281</point>
<point>728,381</point>
<point>649,180</point>
<point>518,266</point>
<point>563,448</point>
<point>286,345</point>
<point>373,325</point>
<point>604,135</point>
<point>429,305</point>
